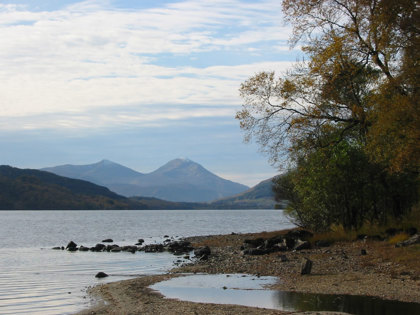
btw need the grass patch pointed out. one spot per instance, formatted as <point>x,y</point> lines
<point>337,234</point>
<point>401,237</point>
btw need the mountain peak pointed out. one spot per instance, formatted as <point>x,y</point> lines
<point>106,162</point>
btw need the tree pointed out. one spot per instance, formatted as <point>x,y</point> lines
<point>359,90</point>
<point>362,73</point>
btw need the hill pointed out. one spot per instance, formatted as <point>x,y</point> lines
<point>260,196</point>
<point>180,180</point>
<point>26,189</point>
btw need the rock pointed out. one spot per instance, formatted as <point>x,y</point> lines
<point>57,248</point>
<point>98,248</point>
<point>83,248</point>
<point>290,242</point>
<point>279,248</point>
<point>179,247</point>
<point>101,275</point>
<point>322,243</point>
<point>253,243</point>
<point>283,258</point>
<point>115,249</point>
<point>415,239</point>
<point>165,236</point>
<point>108,248</point>
<point>306,266</point>
<point>363,252</point>
<point>71,246</point>
<point>271,242</point>
<point>202,251</point>
<point>108,240</point>
<point>140,241</point>
<point>302,245</point>
<point>130,249</point>
<point>153,248</point>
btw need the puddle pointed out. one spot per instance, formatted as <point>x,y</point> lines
<point>249,290</point>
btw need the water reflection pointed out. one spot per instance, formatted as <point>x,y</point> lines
<point>353,304</point>
<point>249,291</point>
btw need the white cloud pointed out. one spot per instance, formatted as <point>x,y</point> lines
<point>89,55</point>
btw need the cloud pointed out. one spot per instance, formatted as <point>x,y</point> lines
<point>58,67</point>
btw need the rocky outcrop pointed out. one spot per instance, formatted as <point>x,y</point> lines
<point>293,240</point>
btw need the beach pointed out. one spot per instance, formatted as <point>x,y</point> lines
<point>381,270</point>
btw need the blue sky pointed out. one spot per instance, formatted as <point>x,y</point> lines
<point>136,82</point>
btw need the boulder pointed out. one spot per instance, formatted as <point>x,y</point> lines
<point>71,246</point>
<point>271,242</point>
<point>130,249</point>
<point>154,248</point>
<point>202,251</point>
<point>83,248</point>
<point>57,247</point>
<point>115,249</point>
<point>108,248</point>
<point>289,242</point>
<point>108,240</point>
<point>101,275</point>
<point>306,266</point>
<point>253,243</point>
<point>140,241</point>
<point>179,247</point>
<point>98,248</point>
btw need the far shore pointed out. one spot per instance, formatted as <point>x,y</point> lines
<point>382,271</point>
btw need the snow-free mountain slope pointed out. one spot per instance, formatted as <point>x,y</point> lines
<point>177,180</point>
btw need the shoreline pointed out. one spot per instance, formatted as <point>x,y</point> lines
<point>337,269</point>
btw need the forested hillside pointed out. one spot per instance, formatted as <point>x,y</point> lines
<point>26,189</point>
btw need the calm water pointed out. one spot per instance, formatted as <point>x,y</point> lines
<point>249,291</point>
<point>35,279</point>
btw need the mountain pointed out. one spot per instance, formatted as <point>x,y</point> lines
<point>261,196</point>
<point>26,189</point>
<point>103,172</point>
<point>177,180</point>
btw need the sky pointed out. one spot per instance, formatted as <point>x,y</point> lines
<point>135,82</point>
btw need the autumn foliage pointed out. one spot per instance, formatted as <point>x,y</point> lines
<point>348,116</point>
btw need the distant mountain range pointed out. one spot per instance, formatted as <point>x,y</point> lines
<point>180,180</point>
<point>27,189</point>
